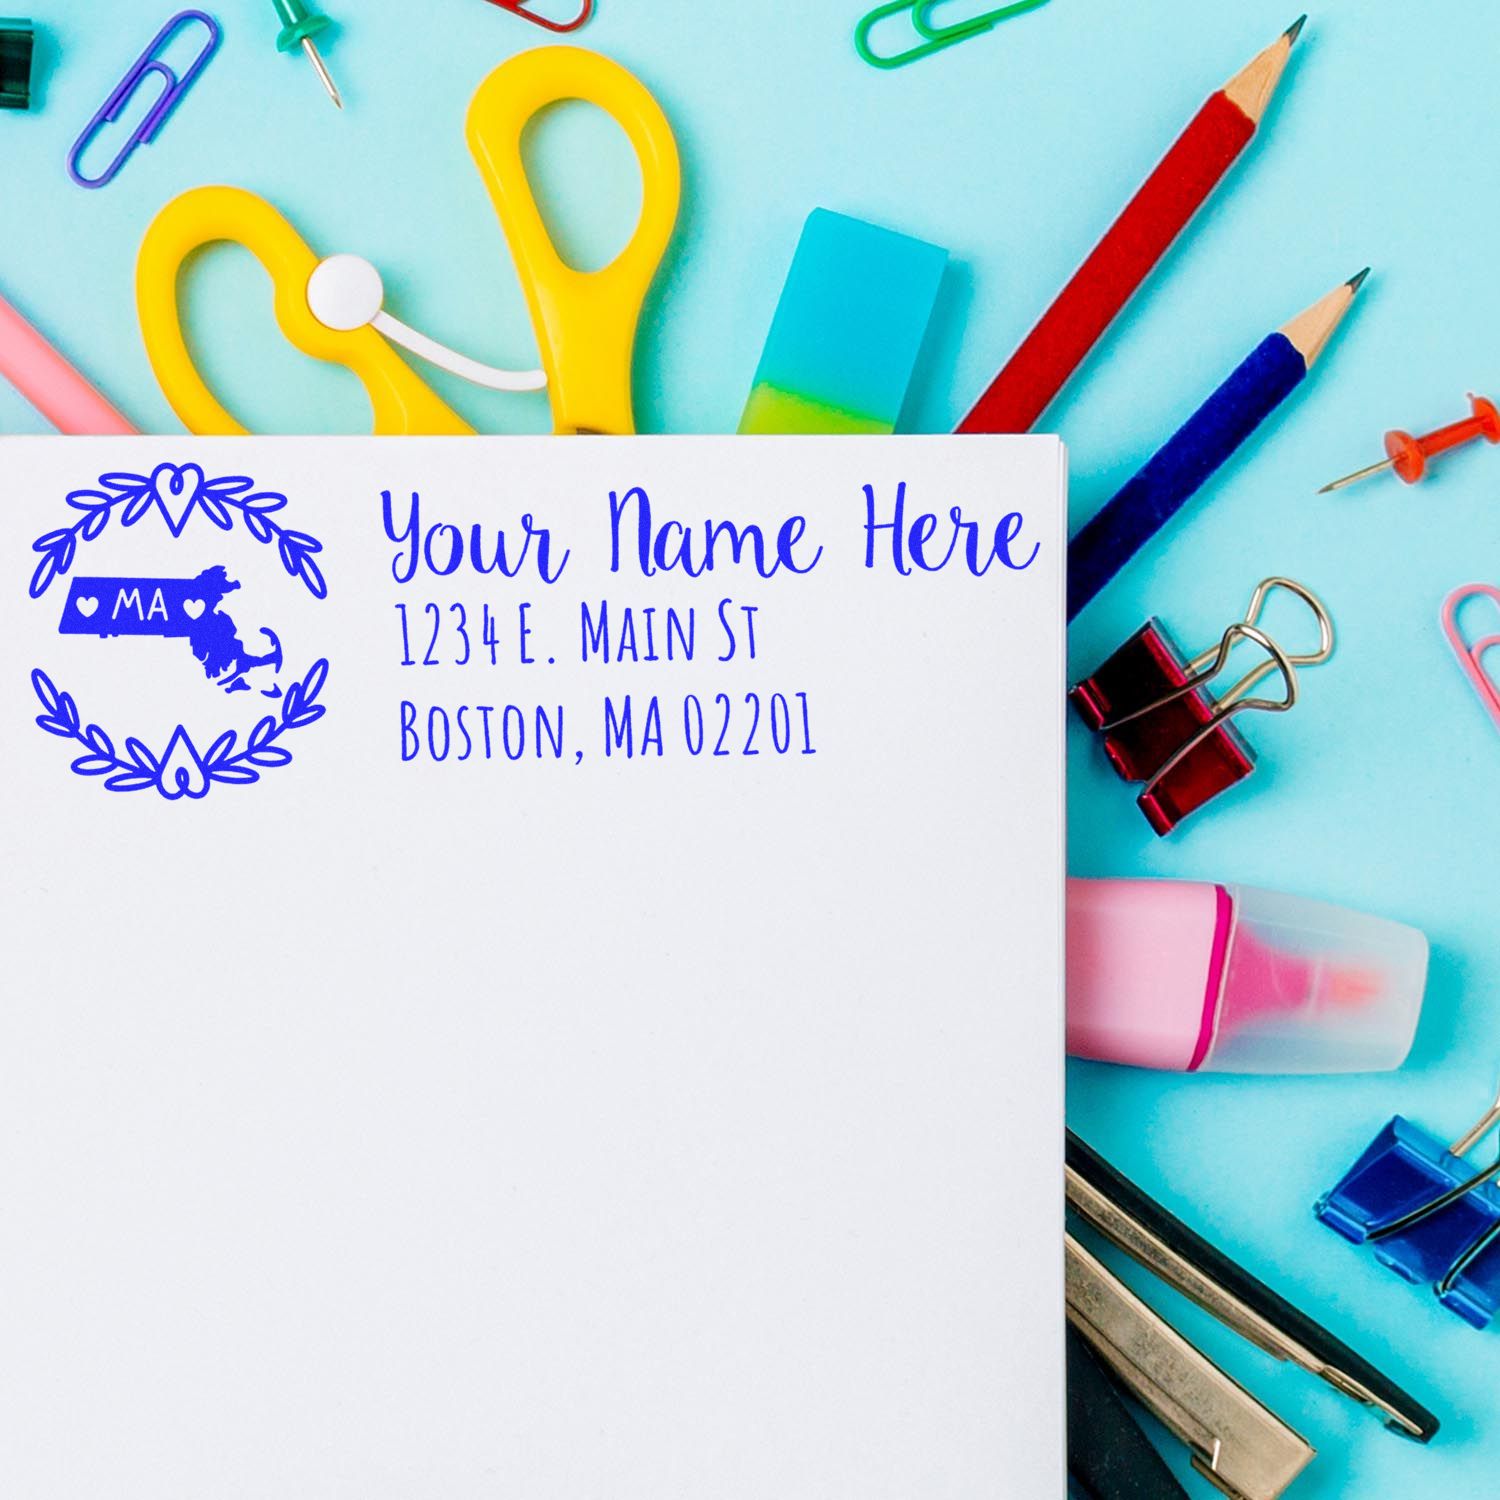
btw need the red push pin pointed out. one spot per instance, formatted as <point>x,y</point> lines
<point>1408,455</point>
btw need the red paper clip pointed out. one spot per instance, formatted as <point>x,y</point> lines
<point>520,8</point>
<point>1161,726</point>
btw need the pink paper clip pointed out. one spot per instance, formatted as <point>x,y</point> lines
<point>522,8</point>
<point>1470,654</point>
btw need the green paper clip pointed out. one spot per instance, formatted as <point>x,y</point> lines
<point>931,38</point>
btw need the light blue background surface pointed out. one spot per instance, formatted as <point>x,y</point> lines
<point>1014,151</point>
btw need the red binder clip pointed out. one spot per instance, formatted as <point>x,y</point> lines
<point>1159,723</point>
<point>523,9</point>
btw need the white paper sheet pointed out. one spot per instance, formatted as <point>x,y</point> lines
<point>489,1098</point>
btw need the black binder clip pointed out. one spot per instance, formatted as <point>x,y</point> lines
<point>1159,723</point>
<point>1124,1344</point>
<point>1236,1442</point>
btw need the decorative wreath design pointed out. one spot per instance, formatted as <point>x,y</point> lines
<point>180,770</point>
<point>177,491</point>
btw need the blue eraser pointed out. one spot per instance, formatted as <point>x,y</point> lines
<point>847,330</point>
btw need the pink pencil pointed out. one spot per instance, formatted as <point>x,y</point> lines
<point>67,400</point>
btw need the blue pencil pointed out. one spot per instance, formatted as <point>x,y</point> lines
<point>1176,471</point>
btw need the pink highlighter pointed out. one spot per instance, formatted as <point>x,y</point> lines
<point>66,398</point>
<point>1228,979</point>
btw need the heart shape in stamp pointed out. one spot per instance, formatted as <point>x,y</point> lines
<point>176,491</point>
<point>192,608</point>
<point>86,607</point>
<point>182,772</point>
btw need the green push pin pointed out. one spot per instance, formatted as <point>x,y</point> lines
<point>299,26</point>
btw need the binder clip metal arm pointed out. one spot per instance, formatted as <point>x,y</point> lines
<point>1237,1444</point>
<point>1119,1210</point>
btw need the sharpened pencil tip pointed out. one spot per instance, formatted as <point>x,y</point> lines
<point>1295,29</point>
<point>1327,489</point>
<point>1357,280</point>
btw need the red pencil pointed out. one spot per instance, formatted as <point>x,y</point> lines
<point>1103,284</point>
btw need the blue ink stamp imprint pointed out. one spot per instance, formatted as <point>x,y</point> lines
<point>187,608</point>
<point>177,607</point>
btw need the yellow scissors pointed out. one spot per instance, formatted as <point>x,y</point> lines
<point>585,321</point>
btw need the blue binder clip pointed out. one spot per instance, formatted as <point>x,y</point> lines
<point>1426,1212</point>
<point>174,86</point>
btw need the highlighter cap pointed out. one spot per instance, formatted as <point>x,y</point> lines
<point>1190,977</point>
<point>1309,987</point>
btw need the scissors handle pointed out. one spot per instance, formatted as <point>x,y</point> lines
<point>585,321</point>
<point>401,403</point>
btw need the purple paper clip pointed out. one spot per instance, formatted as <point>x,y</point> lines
<point>148,62</point>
